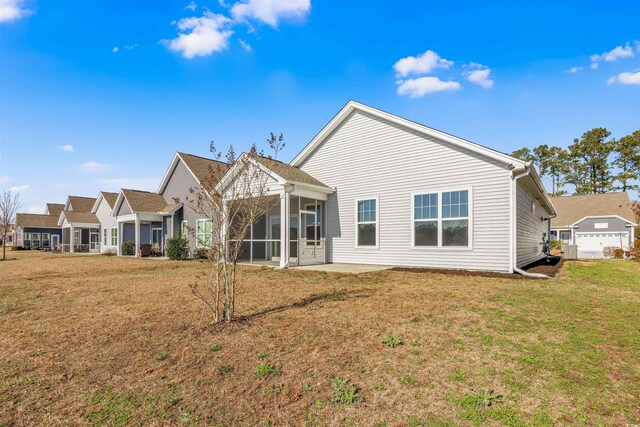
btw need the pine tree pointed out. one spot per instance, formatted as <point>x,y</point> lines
<point>523,154</point>
<point>553,163</point>
<point>589,156</point>
<point>627,159</point>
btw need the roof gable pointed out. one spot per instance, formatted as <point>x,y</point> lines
<point>54,209</point>
<point>352,106</point>
<point>199,167</point>
<point>107,197</point>
<point>80,204</point>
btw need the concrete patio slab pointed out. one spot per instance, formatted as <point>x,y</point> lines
<point>344,268</point>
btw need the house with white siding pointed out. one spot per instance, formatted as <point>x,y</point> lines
<point>375,188</point>
<point>102,209</point>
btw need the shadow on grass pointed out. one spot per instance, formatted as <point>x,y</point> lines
<point>328,296</point>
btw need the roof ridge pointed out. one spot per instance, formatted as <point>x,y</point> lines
<point>201,157</point>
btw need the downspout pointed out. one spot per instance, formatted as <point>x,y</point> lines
<point>514,226</point>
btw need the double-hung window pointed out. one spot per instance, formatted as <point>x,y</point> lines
<point>203,233</point>
<point>425,219</point>
<point>104,236</point>
<point>441,219</point>
<point>46,237</point>
<point>114,237</point>
<point>367,222</point>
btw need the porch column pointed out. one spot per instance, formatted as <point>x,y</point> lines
<point>136,251</point>
<point>284,229</point>
<point>72,239</point>
<point>118,245</point>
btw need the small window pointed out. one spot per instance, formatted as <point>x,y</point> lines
<point>114,237</point>
<point>26,240</point>
<point>367,222</point>
<point>203,233</point>
<point>45,240</point>
<point>104,237</point>
<point>184,229</point>
<point>35,240</point>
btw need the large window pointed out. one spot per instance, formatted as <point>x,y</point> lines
<point>46,240</point>
<point>114,237</point>
<point>441,219</point>
<point>26,241</point>
<point>455,218</point>
<point>35,240</point>
<point>203,233</point>
<point>367,222</point>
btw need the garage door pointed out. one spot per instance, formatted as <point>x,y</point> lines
<point>590,245</point>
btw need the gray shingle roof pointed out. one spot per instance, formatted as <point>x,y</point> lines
<point>145,201</point>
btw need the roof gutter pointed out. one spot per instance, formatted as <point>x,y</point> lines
<point>514,223</point>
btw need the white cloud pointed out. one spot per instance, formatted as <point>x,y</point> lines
<point>630,78</point>
<point>191,6</point>
<point>115,184</point>
<point>36,208</point>
<point>201,36</point>
<point>246,46</point>
<point>67,148</point>
<point>618,52</point>
<point>421,64</point>
<point>19,188</point>
<point>415,88</point>
<point>271,11</point>
<point>93,167</point>
<point>4,179</point>
<point>480,75</point>
<point>12,10</point>
<point>115,50</point>
<point>574,70</point>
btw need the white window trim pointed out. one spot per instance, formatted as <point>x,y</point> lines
<point>111,236</point>
<point>376,222</point>
<point>469,218</point>
<point>198,243</point>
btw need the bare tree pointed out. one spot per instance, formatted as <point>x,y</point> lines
<point>276,143</point>
<point>231,207</point>
<point>9,205</point>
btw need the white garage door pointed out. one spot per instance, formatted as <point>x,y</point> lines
<point>590,245</point>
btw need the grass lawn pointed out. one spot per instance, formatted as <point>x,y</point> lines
<point>115,341</point>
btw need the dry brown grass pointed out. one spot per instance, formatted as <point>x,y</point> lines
<point>115,341</point>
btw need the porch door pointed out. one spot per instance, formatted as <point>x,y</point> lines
<point>309,236</point>
<point>156,238</point>
<point>55,241</point>
<point>94,241</point>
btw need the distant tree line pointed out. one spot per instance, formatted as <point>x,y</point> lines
<point>594,163</point>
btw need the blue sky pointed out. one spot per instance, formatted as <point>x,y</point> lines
<point>99,95</point>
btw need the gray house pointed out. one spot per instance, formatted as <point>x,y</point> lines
<point>186,172</point>
<point>80,227</point>
<point>594,222</point>
<point>35,231</point>
<point>375,188</point>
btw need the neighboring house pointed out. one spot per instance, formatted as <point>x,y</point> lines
<point>144,218</point>
<point>186,172</point>
<point>35,231</point>
<point>594,222</point>
<point>80,227</point>
<point>102,209</point>
<point>374,188</point>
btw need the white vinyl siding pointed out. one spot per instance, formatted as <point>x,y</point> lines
<point>531,229</point>
<point>107,222</point>
<point>368,155</point>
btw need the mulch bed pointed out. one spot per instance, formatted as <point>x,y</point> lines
<point>549,266</point>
